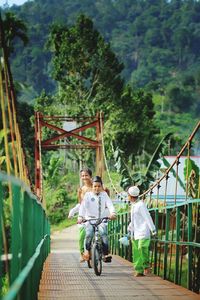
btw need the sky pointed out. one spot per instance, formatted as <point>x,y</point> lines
<point>11,2</point>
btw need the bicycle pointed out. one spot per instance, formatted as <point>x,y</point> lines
<point>96,253</point>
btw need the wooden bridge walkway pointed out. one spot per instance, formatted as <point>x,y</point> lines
<point>64,277</point>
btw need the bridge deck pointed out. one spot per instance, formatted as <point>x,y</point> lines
<point>65,278</point>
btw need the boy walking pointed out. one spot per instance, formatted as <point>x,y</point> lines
<point>141,227</point>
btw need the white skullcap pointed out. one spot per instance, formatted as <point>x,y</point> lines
<point>134,191</point>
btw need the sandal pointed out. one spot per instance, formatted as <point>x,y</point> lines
<point>86,256</point>
<point>82,258</point>
<point>147,271</point>
<point>138,274</point>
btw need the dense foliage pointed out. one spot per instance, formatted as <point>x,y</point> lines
<point>136,61</point>
<point>88,73</point>
<point>156,40</point>
<point>86,68</point>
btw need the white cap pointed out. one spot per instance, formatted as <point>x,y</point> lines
<point>134,191</point>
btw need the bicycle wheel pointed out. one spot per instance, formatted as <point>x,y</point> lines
<point>97,260</point>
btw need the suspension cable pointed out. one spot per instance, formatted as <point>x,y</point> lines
<point>5,128</point>
<point>10,118</point>
<point>40,155</point>
<point>104,155</point>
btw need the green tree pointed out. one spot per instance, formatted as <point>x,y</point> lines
<point>140,174</point>
<point>191,174</point>
<point>85,67</point>
<point>131,124</point>
<point>89,76</point>
<point>13,28</point>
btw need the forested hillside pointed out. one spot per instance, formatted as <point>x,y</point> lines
<point>157,40</point>
<point>136,61</point>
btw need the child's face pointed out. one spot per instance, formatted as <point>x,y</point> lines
<point>97,187</point>
<point>130,198</point>
<point>85,176</point>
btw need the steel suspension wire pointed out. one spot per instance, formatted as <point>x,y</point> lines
<point>5,128</point>
<point>14,152</point>
<point>40,155</point>
<point>178,229</point>
<point>175,161</point>
<point>10,117</point>
<point>23,170</point>
<point>104,155</point>
<point>187,170</point>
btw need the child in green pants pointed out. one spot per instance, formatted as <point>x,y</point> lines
<point>141,227</point>
<point>86,179</point>
<point>141,256</point>
<point>81,238</point>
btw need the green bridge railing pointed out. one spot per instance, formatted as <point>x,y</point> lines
<point>24,240</point>
<point>175,254</point>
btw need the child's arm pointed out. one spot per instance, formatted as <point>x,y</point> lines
<point>82,210</point>
<point>106,190</point>
<point>74,211</point>
<point>110,207</point>
<point>147,217</point>
<point>79,194</point>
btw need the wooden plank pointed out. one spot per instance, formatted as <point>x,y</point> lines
<point>65,278</point>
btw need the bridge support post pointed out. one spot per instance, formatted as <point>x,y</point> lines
<point>56,142</point>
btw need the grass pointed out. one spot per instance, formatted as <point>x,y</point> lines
<point>5,285</point>
<point>62,225</point>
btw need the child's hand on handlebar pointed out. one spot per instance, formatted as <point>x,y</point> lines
<point>80,220</point>
<point>112,217</point>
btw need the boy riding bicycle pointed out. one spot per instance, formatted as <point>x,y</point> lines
<point>96,204</point>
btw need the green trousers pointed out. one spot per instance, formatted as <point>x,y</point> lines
<point>140,253</point>
<point>81,239</point>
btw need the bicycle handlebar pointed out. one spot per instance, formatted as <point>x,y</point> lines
<point>100,220</point>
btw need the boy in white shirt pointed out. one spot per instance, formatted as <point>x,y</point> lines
<point>86,179</point>
<point>95,205</point>
<point>141,227</point>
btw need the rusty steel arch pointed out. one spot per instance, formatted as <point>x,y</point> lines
<point>59,134</point>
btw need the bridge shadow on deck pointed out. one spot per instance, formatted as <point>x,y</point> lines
<point>64,277</point>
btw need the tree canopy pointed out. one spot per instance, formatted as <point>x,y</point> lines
<point>85,67</point>
<point>14,28</point>
<point>136,61</point>
<point>88,74</point>
<point>157,41</point>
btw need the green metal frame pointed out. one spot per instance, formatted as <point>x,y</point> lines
<point>172,255</point>
<point>25,243</point>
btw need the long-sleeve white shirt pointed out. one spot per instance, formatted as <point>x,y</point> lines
<point>96,206</point>
<point>141,224</point>
<point>74,210</point>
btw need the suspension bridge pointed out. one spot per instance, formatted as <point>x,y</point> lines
<point>34,265</point>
